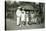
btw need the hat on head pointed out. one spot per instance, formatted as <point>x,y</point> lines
<point>19,7</point>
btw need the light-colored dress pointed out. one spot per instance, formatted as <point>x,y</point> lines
<point>23,16</point>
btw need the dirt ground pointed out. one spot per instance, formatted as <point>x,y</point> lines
<point>11,25</point>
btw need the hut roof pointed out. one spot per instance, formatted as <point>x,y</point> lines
<point>28,7</point>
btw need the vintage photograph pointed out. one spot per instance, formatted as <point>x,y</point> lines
<point>24,15</point>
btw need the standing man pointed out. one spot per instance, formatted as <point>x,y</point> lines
<point>18,13</point>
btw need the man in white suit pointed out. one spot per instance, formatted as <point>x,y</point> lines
<point>18,13</point>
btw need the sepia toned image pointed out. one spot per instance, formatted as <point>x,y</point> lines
<point>24,15</point>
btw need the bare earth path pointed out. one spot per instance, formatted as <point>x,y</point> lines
<point>11,25</point>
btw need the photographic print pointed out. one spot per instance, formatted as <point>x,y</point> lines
<point>24,15</point>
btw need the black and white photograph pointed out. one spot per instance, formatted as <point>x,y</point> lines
<point>21,15</point>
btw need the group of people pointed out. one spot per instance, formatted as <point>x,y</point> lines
<point>22,17</point>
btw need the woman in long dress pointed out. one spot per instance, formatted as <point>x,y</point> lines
<point>23,17</point>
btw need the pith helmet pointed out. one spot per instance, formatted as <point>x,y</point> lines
<point>19,7</point>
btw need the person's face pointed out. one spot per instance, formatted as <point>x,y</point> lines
<point>22,11</point>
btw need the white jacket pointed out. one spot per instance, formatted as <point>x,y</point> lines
<point>18,13</point>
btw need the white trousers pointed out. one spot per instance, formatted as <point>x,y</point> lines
<point>18,20</point>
